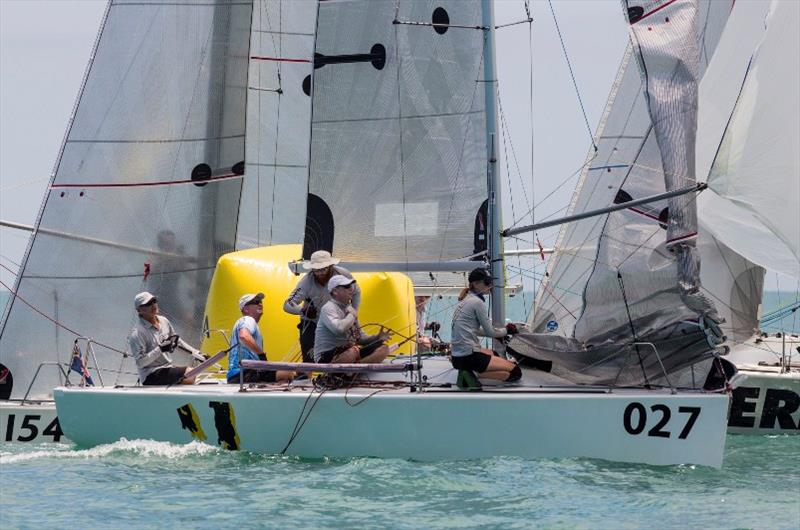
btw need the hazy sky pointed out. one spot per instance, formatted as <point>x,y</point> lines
<point>45,47</point>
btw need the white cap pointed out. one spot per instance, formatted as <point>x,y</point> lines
<point>338,281</point>
<point>142,299</point>
<point>320,260</point>
<point>247,298</point>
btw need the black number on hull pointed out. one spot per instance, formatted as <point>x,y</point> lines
<point>657,431</point>
<point>32,429</point>
<point>665,415</point>
<point>641,418</point>
<point>54,430</point>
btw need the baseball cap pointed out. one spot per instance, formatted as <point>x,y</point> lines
<point>249,299</point>
<point>142,299</point>
<point>339,280</point>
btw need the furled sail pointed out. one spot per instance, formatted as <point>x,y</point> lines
<point>613,280</point>
<point>274,190</point>
<point>146,190</point>
<point>398,146</point>
<point>755,178</point>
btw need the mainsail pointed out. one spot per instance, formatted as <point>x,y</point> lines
<point>146,190</point>
<point>755,177</point>
<point>613,281</point>
<point>398,145</point>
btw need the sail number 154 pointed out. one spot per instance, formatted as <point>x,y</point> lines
<point>635,420</point>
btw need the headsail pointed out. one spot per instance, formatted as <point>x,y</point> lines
<point>274,191</point>
<point>612,280</point>
<point>398,147</point>
<point>755,177</point>
<point>147,186</point>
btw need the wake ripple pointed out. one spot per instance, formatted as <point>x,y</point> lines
<point>137,447</point>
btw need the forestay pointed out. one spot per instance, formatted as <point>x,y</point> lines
<point>398,147</point>
<point>146,189</point>
<point>612,277</point>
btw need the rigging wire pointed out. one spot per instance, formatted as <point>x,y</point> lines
<point>572,74</point>
<point>56,322</point>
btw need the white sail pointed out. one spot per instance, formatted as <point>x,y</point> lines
<point>612,278</point>
<point>398,156</point>
<point>755,177</point>
<point>146,189</point>
<point>627,165</point>
<point>273,202</point>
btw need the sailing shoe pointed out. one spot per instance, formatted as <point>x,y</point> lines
<point>467,380</point>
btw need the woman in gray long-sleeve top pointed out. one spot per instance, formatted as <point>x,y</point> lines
<point>469,321</point>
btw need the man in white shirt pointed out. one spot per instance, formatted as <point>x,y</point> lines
<point>338,338</point>
<point>152,340</point>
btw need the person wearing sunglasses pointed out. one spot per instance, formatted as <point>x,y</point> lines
<point>339,338</point>
<point>312,293</point>
<point>152,340</point>
<point>471,320</point>
<point>248,343</point>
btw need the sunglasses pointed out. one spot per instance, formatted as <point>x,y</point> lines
<point>151,302</point>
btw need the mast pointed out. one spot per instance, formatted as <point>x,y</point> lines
<point>495,220</point>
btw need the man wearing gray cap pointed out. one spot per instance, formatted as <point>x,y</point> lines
<point>152,340</point>
<point>312,292</point>
<point>338,338</point>
<point>247,343</point>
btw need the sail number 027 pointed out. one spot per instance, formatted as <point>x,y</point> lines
<point>634,419</point>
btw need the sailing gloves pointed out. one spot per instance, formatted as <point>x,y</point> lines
<point>511,328</point>
<point>169,344</point>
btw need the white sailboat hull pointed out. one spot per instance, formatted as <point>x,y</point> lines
<point>433,425</point>
<point>766,395</point>
<point>35,422</point>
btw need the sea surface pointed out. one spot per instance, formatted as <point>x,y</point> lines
<point>147,484</point>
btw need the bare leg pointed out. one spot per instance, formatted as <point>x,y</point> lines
<point>350,355</point>
<point>187,381</point>
<point>284,375</point>
<point>377,356</point>
<point>498,369</point>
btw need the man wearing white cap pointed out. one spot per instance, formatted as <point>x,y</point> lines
<point>152,340</point>
<point>339,338</point>
<point>312,292</point>
<point>247,343</point>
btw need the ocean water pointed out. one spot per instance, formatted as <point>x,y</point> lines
<point>146,484</point>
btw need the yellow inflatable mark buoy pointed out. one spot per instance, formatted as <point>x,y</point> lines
<point>386,299</point>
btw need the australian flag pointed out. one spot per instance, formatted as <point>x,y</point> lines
<point>80,367</point>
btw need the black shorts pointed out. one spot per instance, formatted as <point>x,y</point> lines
<point>476,361</point>
<point>254,376</point>
<point>327,356</point>
<point>165,376</point>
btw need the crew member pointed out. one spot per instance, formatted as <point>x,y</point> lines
<point>469,321</point>
<point>423,341</point>
<point>312,293</point>
<point>338,338</point>
<point>152,340</point>
<point>247,343</point>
